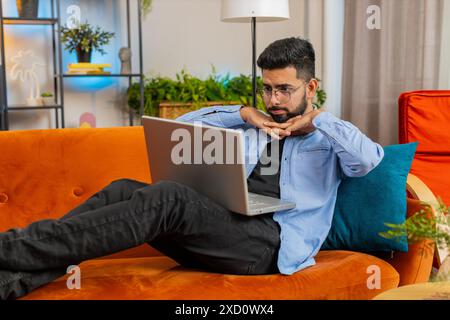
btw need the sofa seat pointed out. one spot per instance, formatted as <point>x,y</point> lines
<point>337,275</point>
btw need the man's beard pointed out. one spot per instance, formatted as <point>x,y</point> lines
<point>299,111</point>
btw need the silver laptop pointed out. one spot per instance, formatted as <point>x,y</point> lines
<point>182,152</point>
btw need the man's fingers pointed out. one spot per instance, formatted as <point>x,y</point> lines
<point>272,134</point>
<point>291,128</point>
<point>276,125</point>
<point>292,120</point>
<point>280,132</point>
<point>276,133</point>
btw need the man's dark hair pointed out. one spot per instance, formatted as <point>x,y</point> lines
<point>290,52</point>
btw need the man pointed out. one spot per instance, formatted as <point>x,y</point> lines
<point>317,151</point>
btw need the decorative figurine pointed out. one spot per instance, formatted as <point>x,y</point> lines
<point>125,58</point>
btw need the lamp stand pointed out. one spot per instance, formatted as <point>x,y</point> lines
<point>254,61</point>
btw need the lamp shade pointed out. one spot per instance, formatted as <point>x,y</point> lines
<point>262,10</point>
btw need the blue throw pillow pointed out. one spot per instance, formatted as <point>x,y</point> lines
<point>365,204</point>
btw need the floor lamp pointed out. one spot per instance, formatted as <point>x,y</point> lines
<point>254,11</point>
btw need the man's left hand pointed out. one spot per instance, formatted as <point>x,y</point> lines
<point>297,126</point>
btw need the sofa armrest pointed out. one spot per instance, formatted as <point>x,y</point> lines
<point>420,191</point>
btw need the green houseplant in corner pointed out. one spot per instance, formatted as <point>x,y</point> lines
<point>85,38</point>
<point>425,226</point>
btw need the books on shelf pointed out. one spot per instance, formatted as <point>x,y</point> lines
<point>88,68</point>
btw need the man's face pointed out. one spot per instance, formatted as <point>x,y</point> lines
<point>279,105</point>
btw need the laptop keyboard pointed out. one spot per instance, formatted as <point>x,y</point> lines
<point>254,202</point>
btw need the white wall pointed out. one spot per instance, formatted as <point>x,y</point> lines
<point>190,34</point>
<point>177,34</point>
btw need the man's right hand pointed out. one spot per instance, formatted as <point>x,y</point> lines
<point>258,119</point>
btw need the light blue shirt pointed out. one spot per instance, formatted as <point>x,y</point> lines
<point>312,168</point>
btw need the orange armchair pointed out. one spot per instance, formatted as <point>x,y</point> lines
<point>424,117</point>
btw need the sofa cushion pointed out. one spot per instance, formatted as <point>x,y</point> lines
<point>365,204</point>
<point>424,117</point>
<point>336,275</point>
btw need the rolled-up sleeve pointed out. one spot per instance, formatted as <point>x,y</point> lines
<point>217,116</point>
<point>358,154</point>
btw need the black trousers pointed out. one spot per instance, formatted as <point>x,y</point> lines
<point>173,218</point>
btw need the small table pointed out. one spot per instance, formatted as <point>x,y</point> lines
<point>420,291</point>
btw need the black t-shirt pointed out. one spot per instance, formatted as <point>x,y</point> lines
<point>267,185</point>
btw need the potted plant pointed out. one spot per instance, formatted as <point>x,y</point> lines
<point>170,98</point>
<point>28,9</point>
<point>85,38</point>
<point>424,225</point>
<point>47,99</point>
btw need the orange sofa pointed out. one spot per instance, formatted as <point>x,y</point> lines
<point>45,173</point>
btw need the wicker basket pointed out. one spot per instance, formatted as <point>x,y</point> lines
<point>174,110</point>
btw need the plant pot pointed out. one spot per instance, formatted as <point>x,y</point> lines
<point>28,9</point>
<point>173,110</point>
<point>84,56</point>
<point>48,101</point>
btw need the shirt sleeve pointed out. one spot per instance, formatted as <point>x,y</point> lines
<point>217,116</point>
<point>358,154</point>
